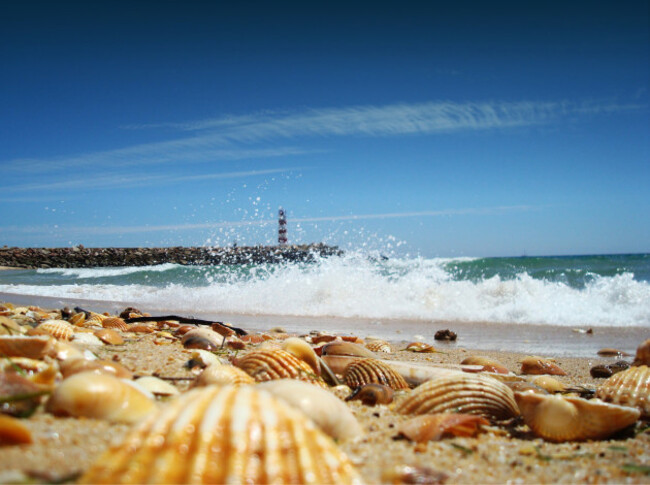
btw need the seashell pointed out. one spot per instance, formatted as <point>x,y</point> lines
<point>66,350</point>
<point>367,371</point>
<point>608,370</point>
<point>412,474</point>
<point>372,394</point>
<point>20,395</point>
<point>13,432</point>
<point>108,367</point>
<point>78,319</point>
<point>642,354</point>
<point>608,352</point>
<point>565,418</point>
<point>131,312</point>
<point>379,346</point>
<point>323,338</point>
<point>488,365</point>
<point>87,339</point>
<point>347,348</point>
<point>94,319</point>
<point>326,410</point>
<point>235,343</point>
<point>420,347</point>
<point>26,366</point>
<point>630,387</point>
<point>464,393</point>
<point>202,338</point>
<point>202,358</point>
<point>109,336</point>
<point>116,323</point>
<point>267,365</point>
<point>100,396</point>
<point>10,327</point>
<point>222,375</point>
<point>525,387</point>
<point>549,384</point>
<point>183,329</point>
<point>538,365</point>
<point>142,327</point>
<point>156,386</point>
<point>34,347</point>
<point>432,427</point>
<point>303,351</point>
<point>224,435</point>
<point>59,329</point>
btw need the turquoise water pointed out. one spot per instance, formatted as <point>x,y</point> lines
<point>600,290</point>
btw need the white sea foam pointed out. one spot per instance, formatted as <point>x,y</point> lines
<point>83,273</point>
<point>417,289</point>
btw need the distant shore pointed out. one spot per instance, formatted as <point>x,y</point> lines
<point>82,257</point>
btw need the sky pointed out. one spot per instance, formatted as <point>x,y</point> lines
<point>434,129</point>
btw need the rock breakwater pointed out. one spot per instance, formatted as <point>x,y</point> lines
<point>82,257</point>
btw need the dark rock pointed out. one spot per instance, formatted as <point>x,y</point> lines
<point>445,335</point>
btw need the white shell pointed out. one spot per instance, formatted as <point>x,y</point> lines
<point>324,408</point>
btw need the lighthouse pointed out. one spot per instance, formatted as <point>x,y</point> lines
<point>282,227</point>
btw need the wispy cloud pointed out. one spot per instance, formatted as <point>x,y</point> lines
<point>131,181</point>
<point>116,230</point>
<point>235,137</point>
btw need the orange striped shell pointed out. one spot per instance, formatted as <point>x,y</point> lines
<point>267,365</point>
<point>369,371</point>
<point>59,329</point>
<point>115,322</point>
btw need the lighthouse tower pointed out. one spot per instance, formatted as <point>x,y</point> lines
<point>282,227</point>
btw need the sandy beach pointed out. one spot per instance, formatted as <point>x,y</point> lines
<point>505,452</point>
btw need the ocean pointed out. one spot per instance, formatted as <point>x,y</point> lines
<point>594,291</point>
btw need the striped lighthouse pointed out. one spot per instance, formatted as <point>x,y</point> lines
<point>282,227</point>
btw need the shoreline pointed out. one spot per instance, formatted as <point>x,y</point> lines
<point>536,339</point>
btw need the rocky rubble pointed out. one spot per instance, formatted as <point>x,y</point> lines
<point>82,257</point>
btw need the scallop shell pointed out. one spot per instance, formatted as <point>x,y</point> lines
<point>432,427</point>
<point>78,319</point>
<point>100,396</point>
<point>222,375</point>
<point>326,410</point>
<point>630,387</point>
<point>33,347</point>
<point>59,329</point>
<point>564,418</point>
<point>115,322</point>
<point>224,435</point>
<point>267,365</point>
<point>94,319</point>
<point>464,393</point>
<point>367,371</point>
<point>379,346</point>
<point>538,365</point>
<point>642,354</point>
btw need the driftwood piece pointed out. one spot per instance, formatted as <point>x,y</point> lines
<point>219,327</point>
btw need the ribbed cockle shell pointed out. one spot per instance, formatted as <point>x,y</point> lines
<point>100,396</point>
<point>367,371</point>
<point>59,329</point>
<point>222,375</point>
<point>267,365</point>
<point>378,345</point>
<point>630,387</point>
<point>564,418</point>
<point>464,393</point>
<point>224,435</point>
<point>115,323</point>
<point>433,427</point>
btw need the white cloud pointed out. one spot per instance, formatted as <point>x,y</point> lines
<point>230,137</point>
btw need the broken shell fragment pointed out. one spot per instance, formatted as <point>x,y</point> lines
<point>303,351</point>
<point>109,336</point>
<point>433,427</point>
<point>642,354</point>
<point>222,375</point>
<point>549,384</point>
<point>100,396</point>
<point>538,365</point>
<point>224,435</point>
<point>367,371</point>
<point>10,327</point>
<point>467,393</point>
<point>565,418</point>
<point>267,365</point>
<point>420,347</point>
<point>202,338</point>
<point>630,387</point>
<point>372,394</point>
<point>325,409</point>
<point>156,386</point>
<point>13,432</point>
<point>32,347</point>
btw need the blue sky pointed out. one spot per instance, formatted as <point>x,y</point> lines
<point>437,128</point>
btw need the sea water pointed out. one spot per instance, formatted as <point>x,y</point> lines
<point>595,291</point>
